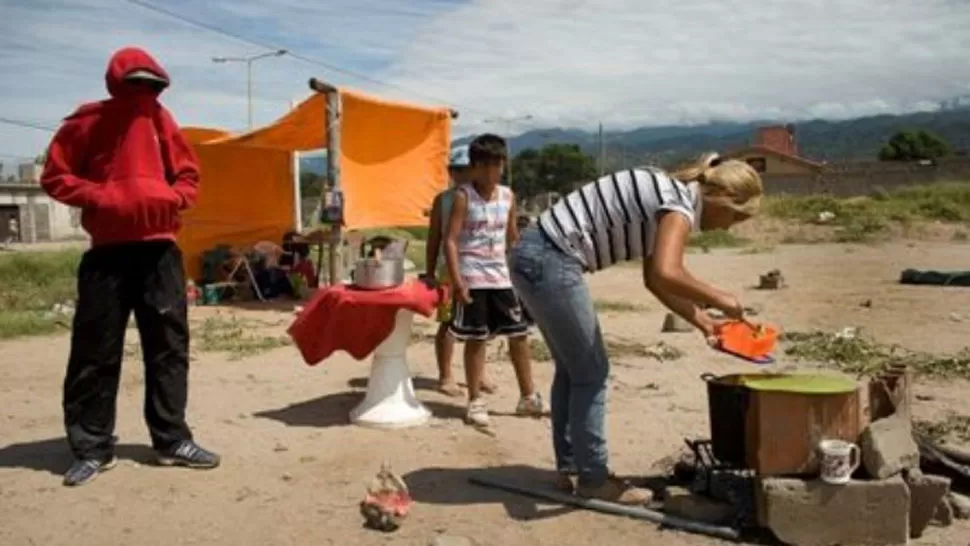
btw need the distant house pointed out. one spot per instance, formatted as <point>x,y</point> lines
<point>775,151</point>
<point>33,215</point>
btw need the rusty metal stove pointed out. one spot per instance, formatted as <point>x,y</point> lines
<point>724,482</point>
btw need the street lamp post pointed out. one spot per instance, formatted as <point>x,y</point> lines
<point>249,75</point>
<point>508,133</point>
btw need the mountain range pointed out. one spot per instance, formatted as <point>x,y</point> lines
<point>859,138</point>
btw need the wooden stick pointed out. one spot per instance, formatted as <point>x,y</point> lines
<point>321,87</point>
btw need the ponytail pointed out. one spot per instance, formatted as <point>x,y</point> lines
<point>729,182</point>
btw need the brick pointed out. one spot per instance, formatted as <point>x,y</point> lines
<point>814,513</point>
<point>888,447</point>
<point>926,493</point>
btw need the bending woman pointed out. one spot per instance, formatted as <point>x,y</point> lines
<point>638,214</point>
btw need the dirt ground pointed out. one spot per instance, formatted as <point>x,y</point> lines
<point>294,470</point>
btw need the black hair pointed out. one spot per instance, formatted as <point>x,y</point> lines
<point>487,148</point>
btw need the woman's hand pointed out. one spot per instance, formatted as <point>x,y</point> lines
<point>711,327</point>
<point>731,306</point>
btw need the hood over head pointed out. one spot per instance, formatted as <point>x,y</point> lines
<point>132,63</point>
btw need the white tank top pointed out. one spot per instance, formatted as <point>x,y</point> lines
<point>482,260</point>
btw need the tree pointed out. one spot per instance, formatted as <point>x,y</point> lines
<point>914,146</point>
<point>554,168</point>
<point>311,185</point>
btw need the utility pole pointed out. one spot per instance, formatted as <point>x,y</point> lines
<point>602,160</point>
<point>508,134</point>
<point>249,75</point>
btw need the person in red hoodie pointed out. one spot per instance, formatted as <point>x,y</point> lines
<point>124,163</point>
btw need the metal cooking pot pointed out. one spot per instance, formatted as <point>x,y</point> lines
<point>378,274</point>
<point>727,403</point>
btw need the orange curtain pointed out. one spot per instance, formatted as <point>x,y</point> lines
<point>302,129</point>
<point>245,196</point>
<point>393,160</point>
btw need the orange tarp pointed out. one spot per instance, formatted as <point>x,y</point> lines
<point>393,160</point>
<point>302,129</point>
<point>249,200</point>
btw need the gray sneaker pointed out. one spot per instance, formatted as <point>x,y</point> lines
<point>86,470</point>
<point>188,454</point>
<point>532,406</point>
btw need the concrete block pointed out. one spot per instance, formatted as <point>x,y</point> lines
<point>681,502</point>
<point>888,447</point>
<point>944,513</point>
<point>926,493</point>
<point>674,324</point>
<point>813,513</point>
<point>960,504</point>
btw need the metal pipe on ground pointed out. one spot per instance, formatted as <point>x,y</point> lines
<point>609,508</point>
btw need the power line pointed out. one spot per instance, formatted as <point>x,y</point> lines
<point>27,124</point>
<point>264,45</point>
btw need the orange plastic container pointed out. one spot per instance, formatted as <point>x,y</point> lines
<point>743,340</point>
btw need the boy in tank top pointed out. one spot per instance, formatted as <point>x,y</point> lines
<point>480,228</point>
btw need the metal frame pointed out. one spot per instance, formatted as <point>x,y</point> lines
<point>332,129</point>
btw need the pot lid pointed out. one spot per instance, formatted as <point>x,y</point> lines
<point>800,383</point>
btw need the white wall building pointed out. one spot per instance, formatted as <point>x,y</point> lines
<point>37,217</point>
<point>29,173</point>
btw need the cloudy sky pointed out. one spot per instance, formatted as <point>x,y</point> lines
<point>562,62</point>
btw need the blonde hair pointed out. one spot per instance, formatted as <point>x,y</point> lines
<point>730,182</point>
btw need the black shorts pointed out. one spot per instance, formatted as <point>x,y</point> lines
<point>492,312</point>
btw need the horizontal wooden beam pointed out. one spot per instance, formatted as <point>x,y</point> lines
<point>321,86</point>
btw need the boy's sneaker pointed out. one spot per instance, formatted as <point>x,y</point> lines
<point>85,470</point>
<point>189,454</point>
<point>532,406</point>
<point>477,414</point>
<point>617,491</point>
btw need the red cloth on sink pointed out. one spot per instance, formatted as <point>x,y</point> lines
<point>357,321</point>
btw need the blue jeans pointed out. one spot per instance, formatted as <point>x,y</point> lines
<point>551,285</point>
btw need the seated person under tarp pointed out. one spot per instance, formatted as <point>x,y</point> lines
<point>296,258</point>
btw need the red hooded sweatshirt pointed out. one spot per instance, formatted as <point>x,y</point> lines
<point>123,161</point>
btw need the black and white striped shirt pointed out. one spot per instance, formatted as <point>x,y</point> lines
<point>614,219</point>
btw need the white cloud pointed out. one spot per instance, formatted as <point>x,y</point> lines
<point>53,55</point>
<point>630,62</point>
<point>564,62</point>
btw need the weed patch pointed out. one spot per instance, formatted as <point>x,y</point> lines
<point>239,337</point>
<point>31,283</point>
<point>857,355</point>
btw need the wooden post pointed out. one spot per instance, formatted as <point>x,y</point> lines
<point>332,128</point>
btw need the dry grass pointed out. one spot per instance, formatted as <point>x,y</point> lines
<point>31,284</point>
<point>862,356</point>
<point>954,427</point>
<point>239,337</point>
<point>868,219</point>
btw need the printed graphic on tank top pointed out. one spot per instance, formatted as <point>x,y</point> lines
<point>482,260</point>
